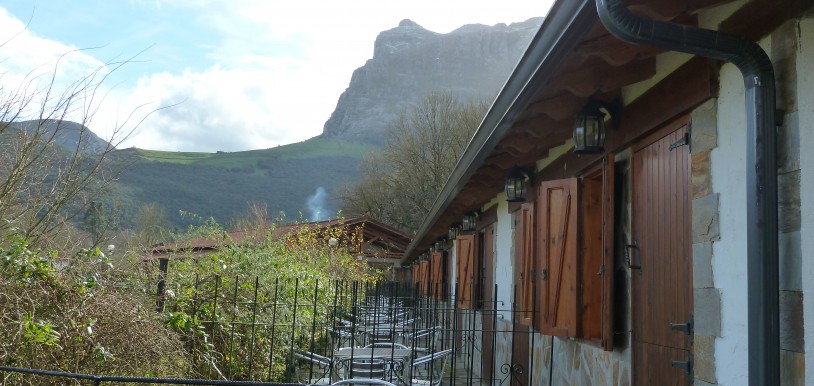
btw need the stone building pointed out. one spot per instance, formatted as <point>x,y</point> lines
<point>677,251</point>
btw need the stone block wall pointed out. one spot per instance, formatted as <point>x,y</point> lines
<point>705,231</point>
<point>785,42</point>
<point>577,363</point>
<point>782,46</point>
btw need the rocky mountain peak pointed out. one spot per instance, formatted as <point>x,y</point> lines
<point>410,62</point>
<point>408,23</point>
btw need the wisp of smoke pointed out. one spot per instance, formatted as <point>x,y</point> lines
<point>316,205</point>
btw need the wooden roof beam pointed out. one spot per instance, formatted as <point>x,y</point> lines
<point>558,108</point>
<point>604,78</point>
<point>614,51</point>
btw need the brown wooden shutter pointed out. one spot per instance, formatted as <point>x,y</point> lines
<point>597,254</point>
<point>526,264</point>
<point>558,269</point>
<point>437,274</point>
<point>466,270</point>
<point>424,277</point>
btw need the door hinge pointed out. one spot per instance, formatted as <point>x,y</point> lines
<point>545,274</point>
<point>686,328</point>
<point>686,366</point>
<point>601,270</point>
<point>685,140</point>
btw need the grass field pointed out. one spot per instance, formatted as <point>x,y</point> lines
<point>314,147</point>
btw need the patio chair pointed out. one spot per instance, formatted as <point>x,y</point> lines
<point>318,369</point>
<point>387,345</point>
<point>363,381</point>
<point>367,368</point>
<point>429,369</point>
<point>426,336</point>
<point>342,337</point>
<point>382,334</point>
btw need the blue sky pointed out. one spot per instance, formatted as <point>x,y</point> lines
<point>240,74</point>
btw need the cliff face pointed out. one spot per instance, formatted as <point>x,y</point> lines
<point>409,62</point>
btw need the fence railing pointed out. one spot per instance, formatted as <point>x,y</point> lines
<point>250,332</point>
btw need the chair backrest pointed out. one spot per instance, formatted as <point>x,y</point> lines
<point>363,381</point>
<point>386,345</point>
<point>431,357</point>
<point>338,332</point>
<point>434,371</point>
<point>370,368</point>
<point>312,357</point>
<point>381,334</point>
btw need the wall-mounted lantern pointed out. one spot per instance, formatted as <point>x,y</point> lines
<point>469,221</point>
<point>452,234</point>
<point>589,127</point>
<point>439,245</point>
<point>515,187</point>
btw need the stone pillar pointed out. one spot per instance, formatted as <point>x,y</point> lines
<point>705,231</point>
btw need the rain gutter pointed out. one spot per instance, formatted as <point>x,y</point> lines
<point>761,165</point>
<point>562,30</point>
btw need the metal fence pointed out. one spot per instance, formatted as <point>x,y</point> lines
<point>249,332</point>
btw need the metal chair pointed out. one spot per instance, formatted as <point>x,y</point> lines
<point>323,365</point>
<point>362,381</point>
<point>426,336</point>
<point>427,371</point>
<point>367,368</point>
<point>387,345</point>
<point>341,336</point>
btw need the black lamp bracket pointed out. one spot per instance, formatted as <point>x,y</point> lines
<point>612,108</point>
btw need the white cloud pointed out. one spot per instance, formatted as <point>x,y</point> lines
<point>276,68</point>
<point>223,109</point>
<point>45,71</point>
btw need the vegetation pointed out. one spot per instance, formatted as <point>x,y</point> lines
<point>400,182</point>
<point>66,306</point>
<point>80,318</point>
<point>314,147</point>
<point>222,185</point>
<point>224,303</point>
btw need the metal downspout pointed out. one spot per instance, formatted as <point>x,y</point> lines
<point>761,172</point>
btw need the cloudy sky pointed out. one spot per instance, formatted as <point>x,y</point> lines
<point>239,74</point>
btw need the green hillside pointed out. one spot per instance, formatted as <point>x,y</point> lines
<point>221,185</point>
<point>314,147</point>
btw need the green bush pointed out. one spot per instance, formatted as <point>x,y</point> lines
<point>77,319</point>
<point>241,308</point>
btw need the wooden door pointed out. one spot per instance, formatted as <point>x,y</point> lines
<point>487,258</point>
<point>661,261</point>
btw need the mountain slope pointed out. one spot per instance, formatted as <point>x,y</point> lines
<point>221,185</point>
<point>66,133</point>
<point>409,62</point>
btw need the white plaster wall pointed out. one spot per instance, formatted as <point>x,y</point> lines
<point>805,77</point>
<point>503,259</point>
<point>729,261</point>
